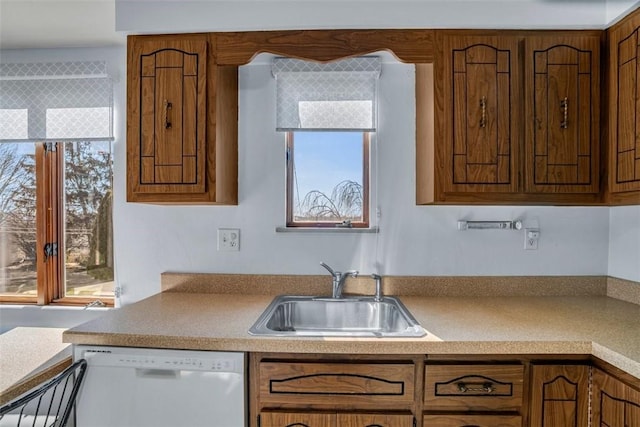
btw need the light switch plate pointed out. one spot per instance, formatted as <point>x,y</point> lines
<point>228,239</point>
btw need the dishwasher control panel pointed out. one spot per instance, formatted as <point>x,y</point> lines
<point>213,362</point>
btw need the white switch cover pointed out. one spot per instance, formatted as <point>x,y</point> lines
<point>228,239</point>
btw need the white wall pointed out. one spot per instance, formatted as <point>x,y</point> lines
<point>246,15</point>
<point>624,242</point>
<point>413,240</point>
<point>617,9</point>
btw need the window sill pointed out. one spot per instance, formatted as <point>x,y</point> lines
<point>339,230</point>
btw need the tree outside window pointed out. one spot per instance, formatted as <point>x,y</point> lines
<point>328,179</point>
<point>56,193</point>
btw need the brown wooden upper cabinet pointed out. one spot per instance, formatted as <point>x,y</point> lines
<point>562,113</point>
<point>502,117</point>
<point>513,127</point>
<point>624,111</point>
<point>480,78</point>
<point>174,154</point>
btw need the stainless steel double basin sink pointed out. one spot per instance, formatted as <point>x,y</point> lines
<point>336,317</point>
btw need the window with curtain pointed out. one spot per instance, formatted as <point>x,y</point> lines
<point>56,135</point>
<point>328,112</point>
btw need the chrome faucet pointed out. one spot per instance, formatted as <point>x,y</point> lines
<point>338,279</point>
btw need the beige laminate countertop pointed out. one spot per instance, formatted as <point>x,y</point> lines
<point>601,326</point>
<point>29,356</point>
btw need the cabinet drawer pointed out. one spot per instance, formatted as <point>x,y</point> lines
<point>310,419</point>
<point>288,419</point>
<point>371,420</point>
<point>338,384</point>
<point>474,387</point>
<point>472,420</point>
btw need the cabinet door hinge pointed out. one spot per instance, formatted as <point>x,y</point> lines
<point>50,249</point>
<point>415,422</point>
<point>258,417</point>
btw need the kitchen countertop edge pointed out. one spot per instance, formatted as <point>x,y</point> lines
<point>220,323</point>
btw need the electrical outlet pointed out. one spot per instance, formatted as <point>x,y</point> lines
<point>228,239</point>
<point>531,236</point>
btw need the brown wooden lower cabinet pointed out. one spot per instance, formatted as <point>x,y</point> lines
<point>464,420</point>
<point>292,390</point>
<point>299,419</point>
<point>614,403</point>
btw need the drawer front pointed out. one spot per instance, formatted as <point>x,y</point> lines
<point>377,420</point>
<point>472,420</point>
<point>300,419</point>
<point>473,387</point>
<point>338,384</point>
<point>288,419</point>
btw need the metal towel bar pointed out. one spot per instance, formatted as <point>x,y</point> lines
<point>490,225</point>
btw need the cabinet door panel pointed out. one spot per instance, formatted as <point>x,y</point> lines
<point>624,110</point>
<point>284,419</point>
<point>615,404</point>
<point>374,420</point>
<point>479,152</point>
<point>462,420</point>
<point>167,118</point>
<point>559,395</point>
<point>562,112</point>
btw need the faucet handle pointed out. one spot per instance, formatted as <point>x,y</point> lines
<point>331,271</point>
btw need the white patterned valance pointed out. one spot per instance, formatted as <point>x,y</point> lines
<point>55,101</point>
<point>339,95</point>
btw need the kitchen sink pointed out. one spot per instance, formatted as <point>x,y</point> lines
<point>339,317</point>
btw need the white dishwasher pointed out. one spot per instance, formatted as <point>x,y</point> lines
<point>139,387</point>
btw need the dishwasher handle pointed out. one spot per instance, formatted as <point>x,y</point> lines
<point>160,374</point>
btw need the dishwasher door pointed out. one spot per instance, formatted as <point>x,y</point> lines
<point>134,387</point>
